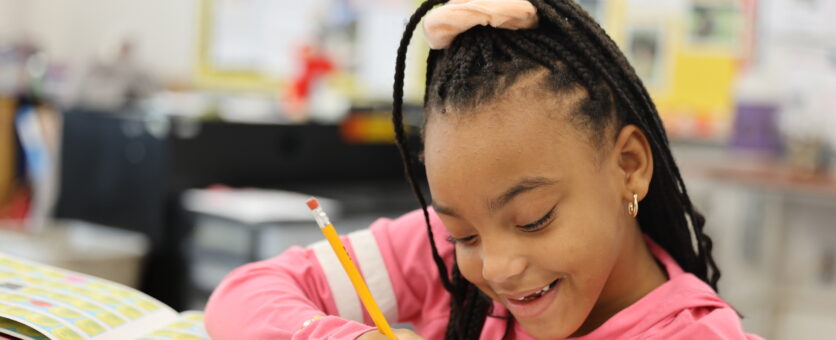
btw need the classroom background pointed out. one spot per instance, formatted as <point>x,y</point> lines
<point>162,143</point>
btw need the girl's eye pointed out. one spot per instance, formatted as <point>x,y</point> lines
<point>463,240</point>
<point>539,224</point>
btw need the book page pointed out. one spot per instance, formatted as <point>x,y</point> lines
<point>17,330</point>
<point>188,327</point>
<point>61,304</point>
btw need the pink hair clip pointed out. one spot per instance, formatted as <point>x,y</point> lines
<point>443,24</point>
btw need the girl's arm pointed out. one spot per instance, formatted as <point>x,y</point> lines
<point>273,299</point>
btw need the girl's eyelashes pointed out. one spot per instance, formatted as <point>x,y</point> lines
<point>539,224</point>
<point>531,227</point>
<point>464,240</point>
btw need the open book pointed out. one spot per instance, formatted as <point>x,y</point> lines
<point>42,302</point>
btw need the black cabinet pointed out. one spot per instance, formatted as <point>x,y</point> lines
<point>129,172</point>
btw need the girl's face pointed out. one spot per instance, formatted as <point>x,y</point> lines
<point>538,215</point>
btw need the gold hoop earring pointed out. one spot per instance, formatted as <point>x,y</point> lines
<point>633,207</point>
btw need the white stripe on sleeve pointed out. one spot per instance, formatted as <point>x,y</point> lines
<point>345,297</point>
<point>374,271</point>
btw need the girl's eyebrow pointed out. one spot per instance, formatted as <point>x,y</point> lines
<point>441,209</point>
<point>523,185</point>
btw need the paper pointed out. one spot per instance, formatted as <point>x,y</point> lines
<point>65,305</point>
<point>260,36</point>
<point>379,33</point>
<point>188,327</point>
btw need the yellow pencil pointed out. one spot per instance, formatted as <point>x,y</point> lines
<point>353,274</point>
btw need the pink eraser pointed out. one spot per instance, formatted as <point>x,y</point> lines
<point>313,203</point>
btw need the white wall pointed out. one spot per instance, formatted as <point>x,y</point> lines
<point>8,22</point>
<point>73,31</point>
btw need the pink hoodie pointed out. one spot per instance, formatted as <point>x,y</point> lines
<point>273,299</point>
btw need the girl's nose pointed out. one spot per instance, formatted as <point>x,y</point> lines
<point>501,263</point>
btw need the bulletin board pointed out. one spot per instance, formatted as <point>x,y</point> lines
<point>688,54</point>
<point>255,44</point>
<point>228,53</point>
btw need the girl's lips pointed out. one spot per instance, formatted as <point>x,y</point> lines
<point>533,308</point>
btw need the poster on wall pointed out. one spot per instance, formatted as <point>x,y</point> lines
<point>713,24</point>
<point>267,41</point>
<point>646,34</point>
<point>235,36</point>
<point>686,53</point>
<point>379,30</point>
<point>647,51</point>
<point>264,37</point>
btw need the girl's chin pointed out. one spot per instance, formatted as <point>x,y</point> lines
<point>547,332</point>
<point>553,322</point>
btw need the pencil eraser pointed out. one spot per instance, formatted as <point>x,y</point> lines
<point>313,203</point>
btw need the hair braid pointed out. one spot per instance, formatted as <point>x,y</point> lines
<point>400,134</point>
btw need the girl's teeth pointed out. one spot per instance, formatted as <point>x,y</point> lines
<point>536,294</point>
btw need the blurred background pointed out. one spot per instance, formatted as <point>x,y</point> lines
<point>161,144</point>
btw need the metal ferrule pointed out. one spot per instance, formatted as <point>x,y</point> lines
<point>320,217</point>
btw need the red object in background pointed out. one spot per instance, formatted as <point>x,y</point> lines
<point>17,207</point>
<point>314,65</point>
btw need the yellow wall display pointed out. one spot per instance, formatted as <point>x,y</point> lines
<point>694,49</point>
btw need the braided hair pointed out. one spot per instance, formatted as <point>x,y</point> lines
<point>483,61</point>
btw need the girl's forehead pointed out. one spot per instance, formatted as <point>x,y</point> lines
<point>509,131</point>
<point>528,115</point>
<point>547,115</point>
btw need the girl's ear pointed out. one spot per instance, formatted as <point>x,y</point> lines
<point>634,161</point>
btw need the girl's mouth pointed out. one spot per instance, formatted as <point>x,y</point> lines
<point>533,304</point>
<point>538,293</point>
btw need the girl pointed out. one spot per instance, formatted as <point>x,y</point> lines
<point>539,144</point>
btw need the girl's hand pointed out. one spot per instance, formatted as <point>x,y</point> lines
<point>401,334</point>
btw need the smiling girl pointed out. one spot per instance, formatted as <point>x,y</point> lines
<point>540,145</point>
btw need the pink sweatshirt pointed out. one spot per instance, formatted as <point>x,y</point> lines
<point>273,299</point>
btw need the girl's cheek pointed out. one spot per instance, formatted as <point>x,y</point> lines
<point>470,265</point>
